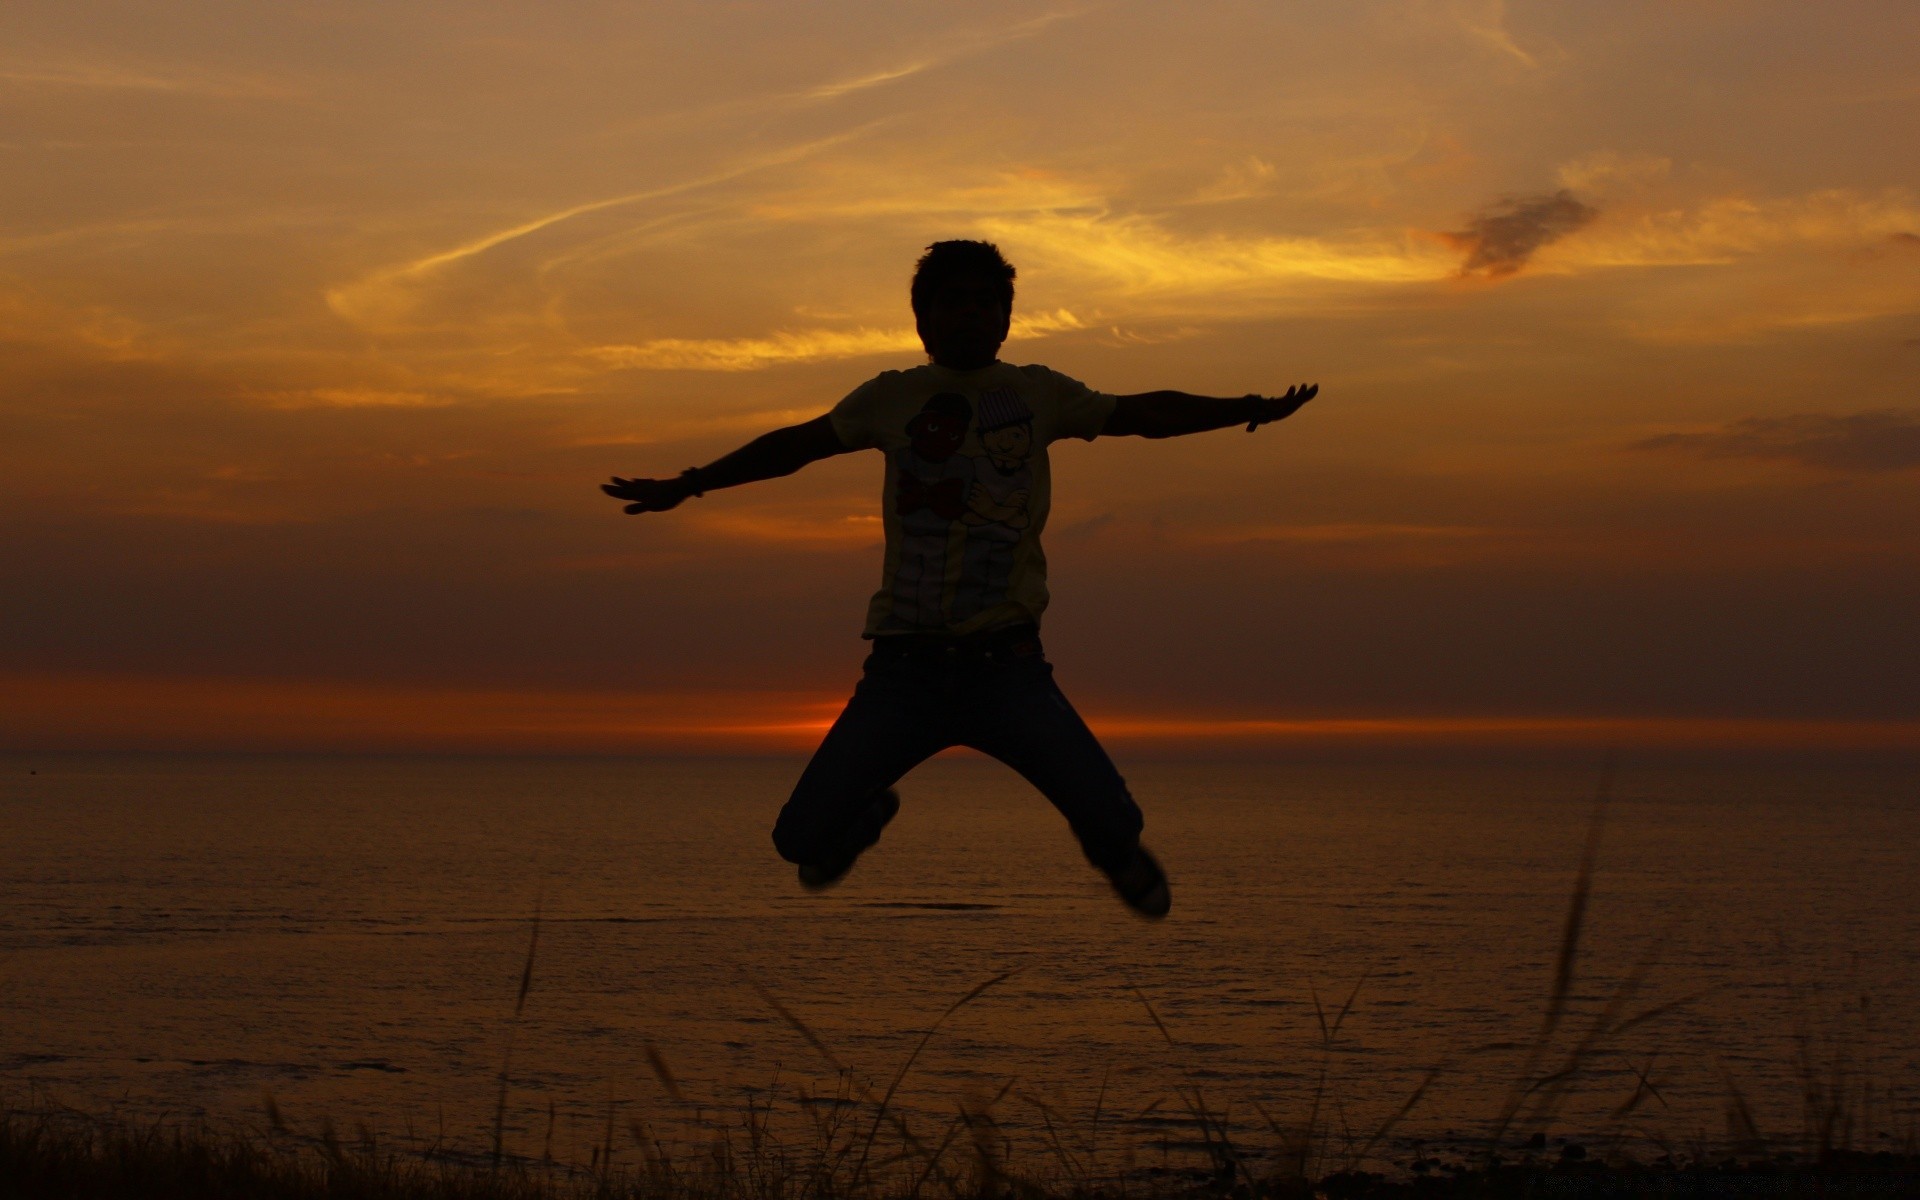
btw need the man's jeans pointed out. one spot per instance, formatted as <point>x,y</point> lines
<point>920,695</point>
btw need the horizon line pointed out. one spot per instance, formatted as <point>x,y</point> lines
<point>44,712</point>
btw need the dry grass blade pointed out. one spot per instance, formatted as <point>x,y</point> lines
<point>1157,1022</point>
<point>1099,1102</point>
<point>886,1101</point>
<point>1661,1010</point>
<point>938,1152</point>
<point>900,1126</point>
<point>1341,1017</point>
<point>1741,1127</point>
<point>1641,1091</point>
<point>526,972</point>
<point>1608,1025</point>
<point>1328,1034</point>
<point>800,1027</point>
<point>513,1028</point>
<point>1213,1134</point>
<point>1563,966</point>
<point>1577,907</point>
<point>1399,1115</point>
<point>1222,1149</point>
<point>1060,1152</point>
<point>664,1075</point>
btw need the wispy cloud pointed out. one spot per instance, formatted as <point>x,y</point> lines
<point>111,77</point>
<point>1486,20</point>
<point>789,529</point>
<point>789,346</point>
<point>841,87</point>
<point>1344,533</point>
<point>1503,239</point>
<point>388,294</point>
<point>1606,169</point>
<point>1878,441</point>
<point>961,47</point>
<point>754,353</point>
<point>1244,180</point>
<point>1135,254</point>
<point>1725,228</point>
<point>356,397</point>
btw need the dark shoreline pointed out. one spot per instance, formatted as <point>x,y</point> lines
<point>58,1153</point>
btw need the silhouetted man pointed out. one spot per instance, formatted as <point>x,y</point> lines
<point>956,658</point>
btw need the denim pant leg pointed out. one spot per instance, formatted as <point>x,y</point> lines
<point>1020,717</point>
<point>892,725</point>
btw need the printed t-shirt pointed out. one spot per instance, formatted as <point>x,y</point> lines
<point>967,489</point>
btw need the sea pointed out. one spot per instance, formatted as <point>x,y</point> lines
<point>566,955</point>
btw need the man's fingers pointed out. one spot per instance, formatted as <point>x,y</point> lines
<point>1285,406</point>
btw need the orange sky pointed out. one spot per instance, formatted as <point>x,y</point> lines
<point>318,324</point>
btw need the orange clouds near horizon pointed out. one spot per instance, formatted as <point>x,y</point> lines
<point>46,714</point>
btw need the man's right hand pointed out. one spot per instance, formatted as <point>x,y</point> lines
<point>648,495</point>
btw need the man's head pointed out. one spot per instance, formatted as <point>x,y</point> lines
<point>963,303</point>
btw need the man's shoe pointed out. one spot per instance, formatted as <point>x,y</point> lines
<point>818,876</point>
<point>1143,885</point>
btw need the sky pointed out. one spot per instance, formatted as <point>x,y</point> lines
<point>320,323</point>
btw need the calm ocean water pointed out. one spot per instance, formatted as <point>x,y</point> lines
<point>189,935</point>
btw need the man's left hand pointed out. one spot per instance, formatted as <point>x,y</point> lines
<point>1279,408</point>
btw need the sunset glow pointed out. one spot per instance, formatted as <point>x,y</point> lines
<point>321,325</point>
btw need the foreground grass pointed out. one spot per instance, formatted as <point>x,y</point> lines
<point>47,1154</point>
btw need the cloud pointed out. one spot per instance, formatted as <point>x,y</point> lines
<point>789,529</point>
<point>108,77</point>
<point>754,353</point>
<point>962,48</point>
<point>392,293</point>
<point>1883,440</point>
<point>1136,255</point>
<point>1608,169</point>
<point>786,346</point>
<point>1247,179</point>
<point>1343,533</point>
<point>356,397</point>
<point>841,87</point>
<point>1500,241</point>
<point>1487,21</point>
<point>1726,228</point>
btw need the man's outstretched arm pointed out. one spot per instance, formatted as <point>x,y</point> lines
<point>768,456</point>
<point>1170,414</point>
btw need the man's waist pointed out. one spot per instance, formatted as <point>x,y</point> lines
<point>1020,641</point>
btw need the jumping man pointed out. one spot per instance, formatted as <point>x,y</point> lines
<point>956,658</point>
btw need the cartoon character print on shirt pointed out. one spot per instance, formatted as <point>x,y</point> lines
<point>931,483</point>
<point>997,514</point>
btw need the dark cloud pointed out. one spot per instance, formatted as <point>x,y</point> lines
<point>1870,441</point>
<point>1502,239</point>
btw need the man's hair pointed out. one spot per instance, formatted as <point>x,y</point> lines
<point>944,261</point>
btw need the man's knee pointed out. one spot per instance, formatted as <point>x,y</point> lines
<point>813,824</point>
<point>795,840</point>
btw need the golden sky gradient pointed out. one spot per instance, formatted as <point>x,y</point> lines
<point>319,324</point>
